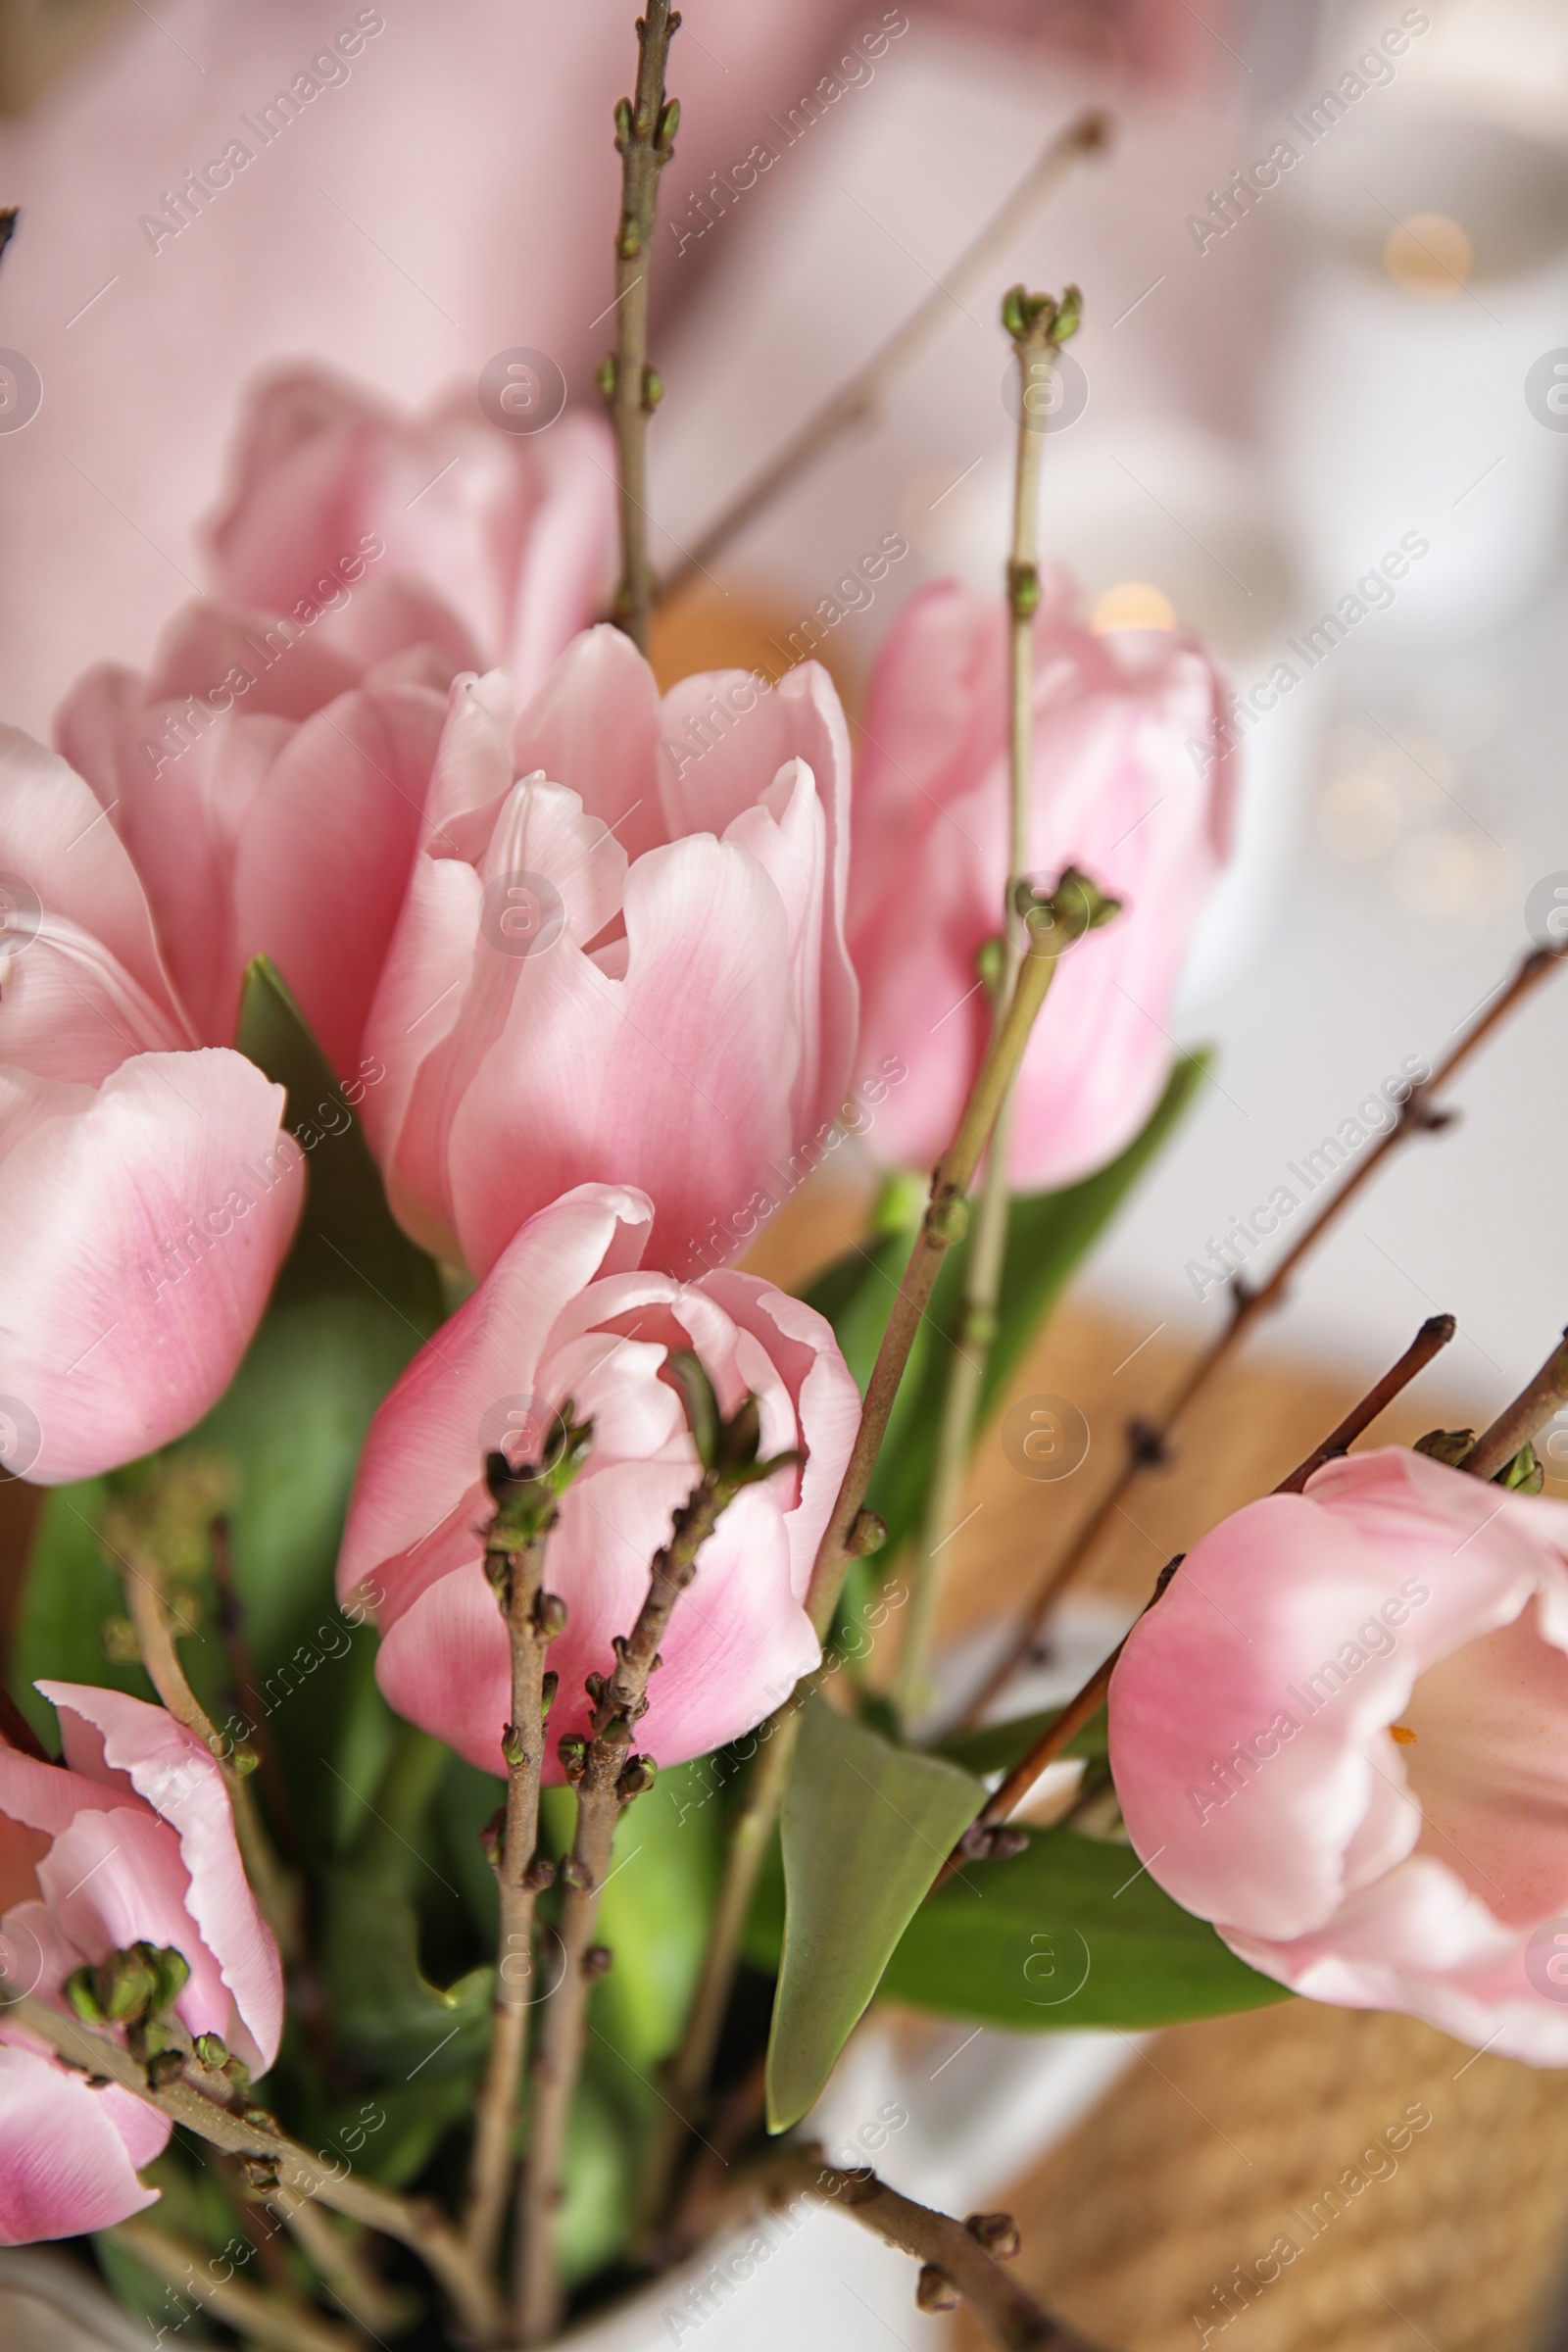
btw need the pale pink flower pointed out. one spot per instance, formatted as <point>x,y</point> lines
<point>1117,791</point>
<point>147,1195</point>
<point>1342,1736</point>
<point>621,958</point>
<point>514,531</point>
<point>269,791</point>
<point>131,1839</point>
<point>569,1313</point>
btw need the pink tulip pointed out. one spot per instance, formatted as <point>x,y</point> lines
<point>514,531</point>
<point>147,1196</point>
<point>269,791</point>
<point>1342,1736</point>
<point>569,1312</point>
<point>131,1840</point>
<point>1115,791</point>
<point>629,967</point>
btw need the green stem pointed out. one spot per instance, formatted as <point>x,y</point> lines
<point>1034,347</point>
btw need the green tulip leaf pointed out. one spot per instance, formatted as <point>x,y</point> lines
<point>1071,1931</point>
<point>865,1827</point>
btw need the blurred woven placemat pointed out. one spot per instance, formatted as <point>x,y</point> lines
<point>1224,2138</point>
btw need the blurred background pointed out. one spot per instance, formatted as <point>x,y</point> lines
<point>1288,368</point>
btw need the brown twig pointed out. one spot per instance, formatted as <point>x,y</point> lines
<point>338,2255</point>
<point>260,2315</point>
<point>1149,1442</point>
<point>952,2254</point>
<point>515,1557</point>
<point>1054,925</point>
<point>606,1776</point>
<point>413,2221</point>
<point>1434,1336</point>
<point>1518,1423</point>
<point>1430,1341</point>
<point>866,391</point>
<point>645,140</point>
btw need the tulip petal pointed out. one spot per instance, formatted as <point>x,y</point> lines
<point>65,2168</point>
<point>423,1451</point>
<point>114,1879</point>
<point>142,1234</point>
<point>54,838</point>
<point>680,1075</point>
<point>593,725</point>
<point>173,1771</point>
<point>322,858</point>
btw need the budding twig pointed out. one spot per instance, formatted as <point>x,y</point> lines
<point>1148,1444</point>
<point>956,2257</point>
<point>252,2135</point>
<point>1518,1423</point>
<point>866,391</point>
<point>1432,1336</point>
<point>645,139</point>
<point>1037,327</point>
<point>606,1776</point>
<point>1055,924</point>
<point>527,1507</point>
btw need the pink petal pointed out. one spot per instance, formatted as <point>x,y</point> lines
<point>677,1079</point>
<point>143,1233</point>
<point>322,859</point>
<point>827,1403</point>
<point>272,666</point>
<point>173,1771</point>
<point>54,838</point>
<point>65,2167</point>
<point>799,719</point>
<point>114,1879</point>
<point>569,554</point>
<point>593,725</point>
<point>423,1454</point>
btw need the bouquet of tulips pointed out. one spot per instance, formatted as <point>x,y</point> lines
<point>449,1827</point>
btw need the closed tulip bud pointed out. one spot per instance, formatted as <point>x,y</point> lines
<point>1114,791</point>
<point>727,912</point>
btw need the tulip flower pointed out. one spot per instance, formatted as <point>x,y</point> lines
<point>621,958</point>
<point>1343,1735</point>
<point>513,532</point>
<point>1114,791</point>
<point>569,1313</point>
<point>126,1901</point>
<point>147,1193</point>
<point>270,792</point>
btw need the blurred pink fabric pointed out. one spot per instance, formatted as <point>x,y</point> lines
<point>453,195</point>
